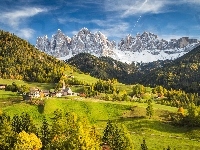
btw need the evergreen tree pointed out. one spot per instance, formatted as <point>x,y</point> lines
<point>7,136</point>
<point>192,115</point>
<point>168,148</point>
<point>117,137</point>
<point>23,123</point>
<point>143,145</point>
<point>45,134</point>
<point>149,109</point>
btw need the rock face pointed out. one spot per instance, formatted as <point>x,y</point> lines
<point>150,41</point>
<point>83,42</point>
<point>58,45</point>
<point>145,47</point>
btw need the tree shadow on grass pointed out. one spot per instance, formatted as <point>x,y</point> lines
<point>149,124</point>
<point>142,124</point>
<point>41,109</point>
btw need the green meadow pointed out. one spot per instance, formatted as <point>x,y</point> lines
<point>156,131</point>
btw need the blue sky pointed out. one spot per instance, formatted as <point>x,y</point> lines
<point>115,18</point>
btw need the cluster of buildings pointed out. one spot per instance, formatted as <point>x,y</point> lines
<point>37,93</point>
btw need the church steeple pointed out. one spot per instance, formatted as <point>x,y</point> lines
<point>63,84</point>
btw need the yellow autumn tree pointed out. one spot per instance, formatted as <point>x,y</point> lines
<point>72,133</point>
<point>85,137</point>
<point>27,141</point>
<point>181,110</point>
<point>1,112</point>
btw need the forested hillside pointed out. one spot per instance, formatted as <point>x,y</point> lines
<point>108,68</point>
<point>183,73</point>
<point>21,60</point>
<point>103,67</point>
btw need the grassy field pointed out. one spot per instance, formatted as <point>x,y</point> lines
<point>82,77</point>
<point>8,98</point>
<point>7,94</point>
<point>30,84</point>
<point>158,135</point>
<point>85,77</point>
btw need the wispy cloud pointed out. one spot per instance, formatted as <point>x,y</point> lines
<point>67,19</point>
<point>16,20</point>
<point>138,7</point>
<point>112,28</point>
<point>81,3</point>
<point>74,32</point>
<point>25,33</point>
<point>16,17</point>
<point>116,32</point>
<point>191,1</point>
<point>128,8</point>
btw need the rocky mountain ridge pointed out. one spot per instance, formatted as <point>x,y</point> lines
<point>150,41</point>
<point>83,42</point>
<point>145,47</point>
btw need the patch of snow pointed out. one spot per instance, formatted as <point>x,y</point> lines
<point>145,47</point>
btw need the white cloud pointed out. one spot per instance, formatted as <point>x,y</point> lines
<point>127,8</point>
<point>112,29</point>
<point>74,32</point>
<point>62,21</point>
<point>16,17</point>
<point>26,33</point>
<point>168,37</point>
<point>16,20</point>
<point>191,1</point>
<point>109,27</point>
<point>67,19</point>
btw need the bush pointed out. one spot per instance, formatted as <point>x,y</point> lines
<point>37,102</point>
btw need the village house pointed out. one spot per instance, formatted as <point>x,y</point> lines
<point>52,94</point>
<point>34,93</point>
<point>65,91</point>
<point>59,94</point>
<point>3,86</point>
<point>46,93</point>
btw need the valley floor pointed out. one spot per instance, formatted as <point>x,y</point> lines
<point>156,131</point>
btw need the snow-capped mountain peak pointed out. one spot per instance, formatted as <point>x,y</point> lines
<point>84,41</point>
<point>145,47</point>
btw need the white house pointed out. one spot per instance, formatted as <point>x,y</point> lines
<point>59,94</point>
<point>34,93</point>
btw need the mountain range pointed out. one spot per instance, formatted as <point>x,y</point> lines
<point>21,60</point>
<point>84,42</point>
<point>145,47</point>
